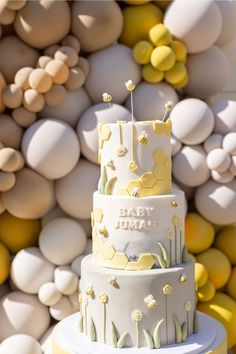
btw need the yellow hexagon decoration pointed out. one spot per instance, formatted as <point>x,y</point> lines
<point>119,260</point>
<point>146,261</point>
<point>148,179</point>
<point>168,163</point>
<point>99,257</point>
<point>98,214</point>
<point>108,251</point>
<point>159,156</point>
<point>98,243</point>
<point>161,172</point>
<point>132,266</point>
<point>105,132</point>
<point>132,185</point>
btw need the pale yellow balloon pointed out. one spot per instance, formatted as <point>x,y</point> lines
<point>201,275</point>
<point>226,241</point>
<point>206,292</point>
<point>231,285</point>
<point>58,71</point>
<point>22,77</point>
<point>40,80</point>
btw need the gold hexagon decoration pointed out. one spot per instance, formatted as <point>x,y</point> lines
<point>160,127</point>
<point>146,261</point>
<point>105,132</point>
<point>148,179</point>
<point>98,214</point>
<point>168,127</point>
<point>168,163</point>
<point>132,185</point>
<point>119,260</point>
<point>161,172</point>
<point>108,251</point>
<point>98,243</point>
<point>159,156</point>
<point>132,266</point>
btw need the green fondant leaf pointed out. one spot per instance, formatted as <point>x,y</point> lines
<point>165,254</point>
<point>178,331</point>
<point>102,180</point>
<point>81,324</point>
<point>114,335</point>
<point>149,339</point>
<point>185,255</point>
<point>157,334</point>
<point>122,339</point>
<point>195,322</point>
<point>184,332</point>
<point>161,261</point>
<point>109,185</point>
<point>92,331</point>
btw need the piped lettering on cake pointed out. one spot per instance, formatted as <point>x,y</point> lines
<point>135,219</point>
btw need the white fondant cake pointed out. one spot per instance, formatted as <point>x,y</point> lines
<point>137,290</point>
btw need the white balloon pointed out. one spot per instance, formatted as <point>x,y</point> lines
<point>70,109</point>
<point>197,23</point>
<point>45,341</point>
<point>30,270</point>
<point>74,191</point>
<point>214,141</point>
<point>228,14</point>
<point>51,148</point>
<point>222,177</point>
<point>189,166</point>
<point>110,69</point>
<point>22,313</point>
<point>20,344</point>
<point>61,240</point>
<point>233,165</point>
<point>66,280</point>
<point>87,128</point>
<point>192,121</point>
<point>225,116</point>
<point>217,202</point>
<point>61,309</point>
<point>218,159</point>
<point>49,294</point>
<point>149,100</point>
<point>175,145</point>
<point>208,73</point>
<point>229,143</point>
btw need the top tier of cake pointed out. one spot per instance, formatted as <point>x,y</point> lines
<point>135,158</point>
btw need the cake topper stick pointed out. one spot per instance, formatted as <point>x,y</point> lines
<point>168,107</point>
<point>107,98</point>
<point>130,87</point>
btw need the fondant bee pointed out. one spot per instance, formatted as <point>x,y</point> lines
<point>150,301</point>
<point>143,138</point>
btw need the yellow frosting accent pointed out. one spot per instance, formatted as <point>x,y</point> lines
<point>160,127</point>
<point>148,179</point>
<point>105,132</point>
<point>98,214</point>
<point>92,219</point>
<point>119,260</point>
<point>159,156</point>
<point>146,261</point>
<point>132,185</point>
<point>108,251</point>
<point>132,266</point>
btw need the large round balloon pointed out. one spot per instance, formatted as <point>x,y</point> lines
<point>42,23</point>
<point>51,148</point>
<point>192,121</point>
<point>96,25</point>
<point>22,313</point>
<point>217,202</point>
<point>10,132</point>
<point>70,109</point>
<point>110,69</point>
<point>74,191</point>
<point>87,128</point>
<point>20,344</point>
<point>225,116</point>
<point>208,72</point>
<point>31,197</point>
<point>20,54</point>
<point>30,270</point>
<point>200,28</point>
<point>228,13</point>
<point>61,240</point>
<point>189,166</point>
<point>150,100</point>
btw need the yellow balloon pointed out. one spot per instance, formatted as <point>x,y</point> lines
<point>176,74</point>
<point>179,49</point>
<point>136,2</point>
<point>137,22</point>
<point>182,83</point>
<point>5,263</point>
<point>163,58</point>
<point>231,285</point>
<point>201,275</point>
<point>160,35</point>
<point>142,52</point>
<point>18,233</point>
<point>199,233</point>
<point>206,292</point>
<point>152,75</point>
<point>217,265</point>
<point>223,308</point>
<point>163,3</point>
<point>226,242</point>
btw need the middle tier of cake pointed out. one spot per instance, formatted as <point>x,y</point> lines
<point>138,233</point>
<point>149,308</point>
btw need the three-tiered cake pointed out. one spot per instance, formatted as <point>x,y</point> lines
<point>137,289</point>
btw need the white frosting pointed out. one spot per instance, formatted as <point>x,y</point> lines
<point>136,225</point>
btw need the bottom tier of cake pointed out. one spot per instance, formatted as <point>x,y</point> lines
<point>211,339</point>
<point>148,308</point>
